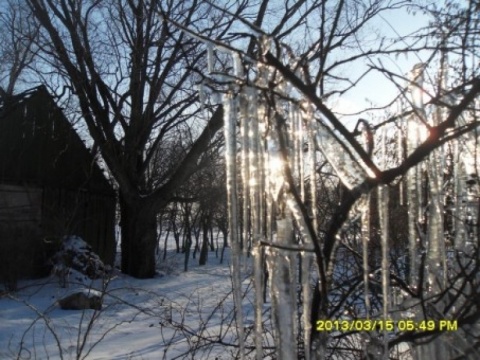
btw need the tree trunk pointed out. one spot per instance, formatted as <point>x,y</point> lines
<point>225,243</point>
<point>187,238</point>
<point>204,250</point>
<point>212,239</point>
<point>176,235</point>
<point>165,244</point>
<point>139,238</point>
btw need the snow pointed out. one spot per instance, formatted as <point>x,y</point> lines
<point>140,319</point>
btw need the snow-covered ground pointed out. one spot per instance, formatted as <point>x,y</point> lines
<point>180,315</point>
<point>176,315</point>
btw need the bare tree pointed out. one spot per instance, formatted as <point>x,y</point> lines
<point>309,48</point>
<point>18,34</point>
<point>131,72</point>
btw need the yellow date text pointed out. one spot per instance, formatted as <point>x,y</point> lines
<point>386,325</point>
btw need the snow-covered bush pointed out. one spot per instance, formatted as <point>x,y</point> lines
<point>75,260</point>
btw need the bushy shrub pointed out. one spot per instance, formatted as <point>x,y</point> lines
<point>75,260</point>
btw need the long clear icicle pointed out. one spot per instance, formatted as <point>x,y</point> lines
<point>256,199</point>
<point>283,293</point>
<point>210,57</point>
<point>306,256</point>
<point>229,108</point>
<point>383,200</point>
<point>279,260</point>
<point>414,136</point>
<point>412,203</point>
<point>400,148</point>
<point>436,243</point>
<point>414,128</point>
<point>281,263</point>
<point>458,195</point>
<point>245,172</point>
<point>365,235</point>
<point>293,144</point>
<point>340,156</point>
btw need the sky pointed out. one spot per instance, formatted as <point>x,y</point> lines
<point>375,88</point>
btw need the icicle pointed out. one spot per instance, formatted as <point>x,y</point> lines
<point>436,239</point>
<point>365,231</point>
<point>312,167</point>
<point>467,177</point>
<point>256,197</point>
<point>300,221</point>
<point>416,89</point>
<point>265,44</point>
<point>201,95</point>
<point>307,258</point>
<point>365,240</point>
<point>259,131</point>
<point>210,57</point>
<point>458,196</point>
<point>413,206</point>
<point>434,230</point>
<point>414,130</point>
<point>283,292</point>
<point>471,169</point>
<point>307,298</point>
<point>295,158</point>
<point>237,65</point>
<point>306,270</point>
<point>420,116</point>
<point>350,169</point>
<point>400,138</point>
<point>245,172</point>
<point>281,262</point>
<point>334,158</point>
<point>365,225</point>
<point>301,154</point>
<point>383,219</point>
<point>229,106</point>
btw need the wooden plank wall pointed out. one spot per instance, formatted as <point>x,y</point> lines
<point>33,221</point>
<point>67,193</point>
<point>76,212</point>
<point>22,253</point>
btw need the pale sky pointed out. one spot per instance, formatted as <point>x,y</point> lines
<point>375,88</point>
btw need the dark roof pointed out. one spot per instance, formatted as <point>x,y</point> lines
<point>38,145</point>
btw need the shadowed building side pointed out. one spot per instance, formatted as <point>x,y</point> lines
<point>50,186</point>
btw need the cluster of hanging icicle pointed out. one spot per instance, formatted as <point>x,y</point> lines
<point>263,144</point>
<point>443,201</point>
<point>271,158</point>
<point>272,148</point>
<point>445,184</point>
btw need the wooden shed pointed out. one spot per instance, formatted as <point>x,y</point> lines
<point>50,187</point>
